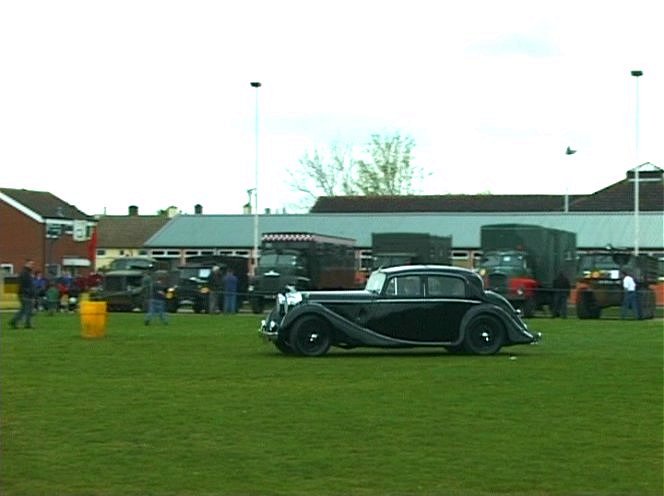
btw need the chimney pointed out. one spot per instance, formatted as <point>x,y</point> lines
<point>198,209</point>
<point>133,210</point>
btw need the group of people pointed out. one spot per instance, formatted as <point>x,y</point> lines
<point>226,284</point>
<point>36,292</point>
<point>155,288</point>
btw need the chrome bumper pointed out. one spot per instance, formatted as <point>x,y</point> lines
<point>268,332</point>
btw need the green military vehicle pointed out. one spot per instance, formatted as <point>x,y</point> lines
<point>599,282</point>
<point>521,262</point>
<point>304,261</point>
<point>409,248</point>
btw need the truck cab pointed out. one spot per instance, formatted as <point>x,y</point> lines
<point>301,260</point>
<point>511,273</point>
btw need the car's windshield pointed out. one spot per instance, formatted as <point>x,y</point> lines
<point>502,260</point>
<point>375,282</point>
<point>197,272</point>
<point>279,260</point>
<point>594,262</point>
<point>131,263</point>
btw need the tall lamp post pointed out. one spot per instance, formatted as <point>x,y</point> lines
<point>637,75</point>
<point>255,84</point>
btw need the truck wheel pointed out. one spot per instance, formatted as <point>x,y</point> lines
<point>586,306</point>
<point>257,304</point>
<point>528,308</point>
<point>310,336</point>
<point>647,299</point>
<point>484,335</point>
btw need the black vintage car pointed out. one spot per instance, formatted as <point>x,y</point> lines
<point>400,307</point>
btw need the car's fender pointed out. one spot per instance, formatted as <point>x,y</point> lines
<point>348,332</point>
<point>512,328</point>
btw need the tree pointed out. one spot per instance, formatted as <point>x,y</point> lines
<point>389,170</point>
<point>327,173</point>
<point>386,169</point>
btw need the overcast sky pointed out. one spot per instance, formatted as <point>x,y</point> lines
<point>148,103</point>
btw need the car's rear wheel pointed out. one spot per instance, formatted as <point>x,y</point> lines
<point>485,335</point>
<point>310,336</point>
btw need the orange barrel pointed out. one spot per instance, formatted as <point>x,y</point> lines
<point>93,319</point>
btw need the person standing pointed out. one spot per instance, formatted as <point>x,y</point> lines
<point>214,286</point>
<point>52,299</point>
<point>41,284</point>
<point>156,289</point>
<point>230,292</point>
<point>561,290</point>
<point>26,293</point>
<point>630,297</point>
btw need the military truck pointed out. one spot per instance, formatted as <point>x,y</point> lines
<point>121,283</point>
<point>521,261</point>
<point>191,286</point>
<point>408,248</point>
<point>304,261</point>
<point>599,282</point>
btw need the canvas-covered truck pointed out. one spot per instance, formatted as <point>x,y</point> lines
<point>521,262</point>
<point>599,283</point>
<point>408,248</point>
<point>302,260</point>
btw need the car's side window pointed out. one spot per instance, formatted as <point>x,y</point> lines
<point>446,286</point>
<point>407,286</point>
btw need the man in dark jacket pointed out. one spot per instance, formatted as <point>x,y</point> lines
<point>26,293</point>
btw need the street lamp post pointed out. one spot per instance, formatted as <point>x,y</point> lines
<point>637,75</point>
<point>568,152</point>
<point>255,84</point>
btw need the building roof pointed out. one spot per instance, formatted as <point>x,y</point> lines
<point>44,204</point>
<point>127,231</point>
<point>618,197</point>
<point>603,218</point>
<point>439,203</point>
<point>593,229</point>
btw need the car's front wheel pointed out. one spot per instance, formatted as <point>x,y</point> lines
<point>284,347</point>
<point>485,335</point>
<point>310,336</point>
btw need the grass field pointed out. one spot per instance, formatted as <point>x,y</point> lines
<point>203,407</point>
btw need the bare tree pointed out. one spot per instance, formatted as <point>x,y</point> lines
<point>386,169</point>
<point>326,173</point>
<point>389,170</point>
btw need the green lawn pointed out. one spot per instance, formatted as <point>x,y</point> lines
<point>203,407</point>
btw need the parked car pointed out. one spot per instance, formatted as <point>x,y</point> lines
<point>400,307</point>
